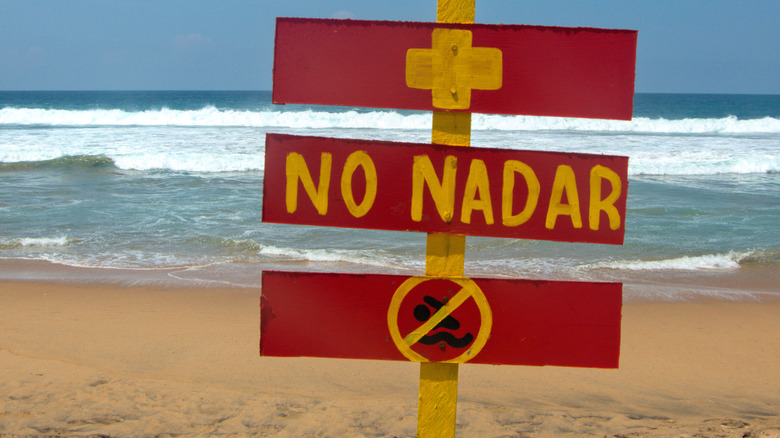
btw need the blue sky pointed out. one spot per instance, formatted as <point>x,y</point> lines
<point>714,46</point>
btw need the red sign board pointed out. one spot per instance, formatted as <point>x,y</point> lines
<point>489,321</point>
<point>500,69</point>
<point>445,189</point>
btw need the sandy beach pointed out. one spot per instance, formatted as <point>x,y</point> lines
<point>113,360</point>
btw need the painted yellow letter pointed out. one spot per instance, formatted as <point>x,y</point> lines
<point>296,169</point>
<point>564,182</point>
<point>443,192</point>
<point>355,159</point>
<point>508,193</point>
<point>597,205</point>
<point>477,182</point>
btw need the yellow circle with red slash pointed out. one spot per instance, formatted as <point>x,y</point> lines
<point>468,289</point>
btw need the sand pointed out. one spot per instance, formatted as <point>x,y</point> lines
<point>112,360</point>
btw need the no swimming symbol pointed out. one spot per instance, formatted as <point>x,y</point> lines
<point>442,319</point>
<point>422,313</point>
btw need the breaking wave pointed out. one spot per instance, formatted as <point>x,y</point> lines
<point>728,261</point>
<point>33,242</point>
<point>80,162</point>
<point>212,116</point>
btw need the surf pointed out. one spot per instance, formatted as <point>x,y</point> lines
<point>210,116</point>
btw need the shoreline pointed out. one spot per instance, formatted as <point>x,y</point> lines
<point>86,359</point>
<point>747,284</point>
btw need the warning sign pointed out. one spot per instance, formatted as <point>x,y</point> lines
<point>429,319</point>
<point>502,69</point>
<point>454,68</point>
<point>445,189</point>
<point>439,320</point>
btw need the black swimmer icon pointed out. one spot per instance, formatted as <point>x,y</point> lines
<point>422,313</point>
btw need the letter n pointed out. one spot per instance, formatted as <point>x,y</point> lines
<point>442,191</point>
<point>296,169</point>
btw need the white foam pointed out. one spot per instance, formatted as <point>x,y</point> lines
<point>190,162</point>
<point>729,261</point>
<point>359,257</point>
<point>34,242</point>
<point>692,162</point>
<point>211,116</point>
<point>725,125</point>
<point>214,140</point>
<point>44,241</point>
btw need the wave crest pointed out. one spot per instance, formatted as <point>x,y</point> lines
<point>80,162</point>
<point>212,116</point>
<point>33,242</point>
<point>729,261</point>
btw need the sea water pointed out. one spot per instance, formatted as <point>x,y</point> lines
<point>170,183</point>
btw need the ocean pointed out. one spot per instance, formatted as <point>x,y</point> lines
<point>166,187</point>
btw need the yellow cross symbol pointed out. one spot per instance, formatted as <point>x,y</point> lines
<point>451,68</point>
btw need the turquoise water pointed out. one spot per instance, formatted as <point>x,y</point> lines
<point>172,181</point>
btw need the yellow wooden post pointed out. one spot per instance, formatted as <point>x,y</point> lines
<point>438,393</point>
<point>445,256</point>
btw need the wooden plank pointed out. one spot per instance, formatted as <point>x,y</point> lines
<point>350,316</point>
<point>445,189</point>
<point>544,71</point>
